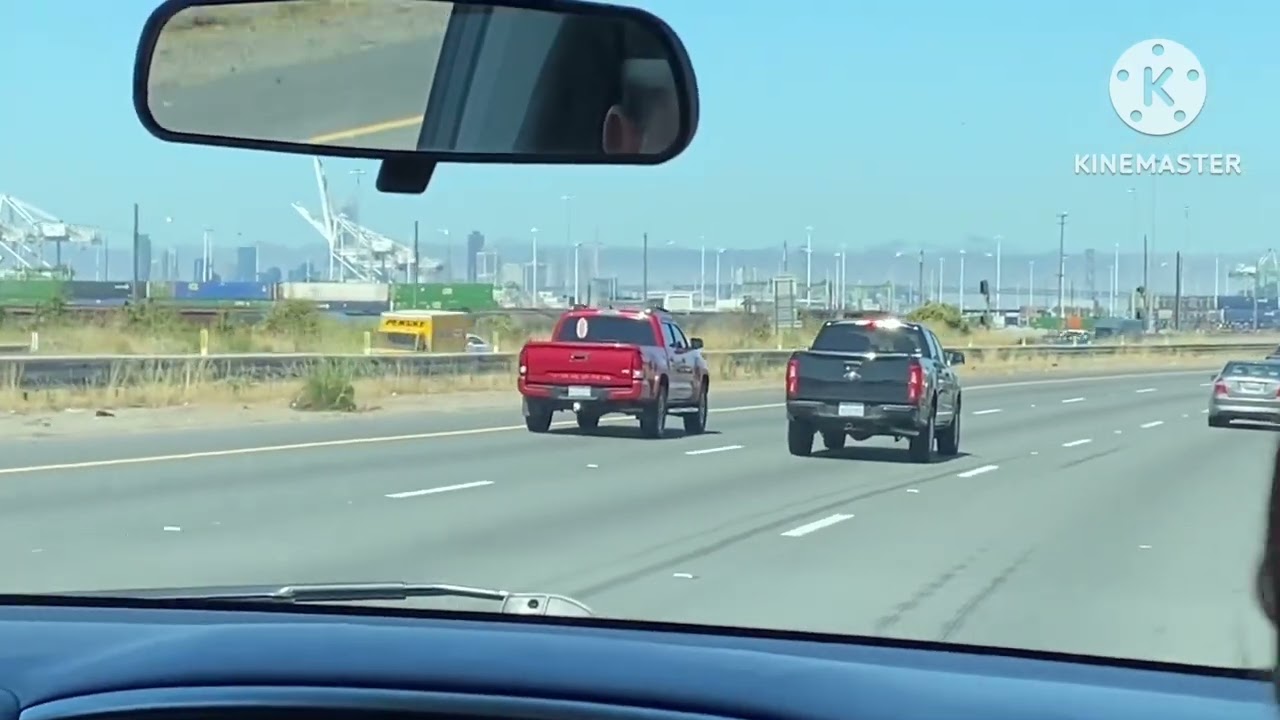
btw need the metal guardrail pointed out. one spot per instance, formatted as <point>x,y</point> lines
<point>49,371</point>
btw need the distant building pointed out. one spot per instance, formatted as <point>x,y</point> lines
<point>142,260</point>
<point>246,263</point>
<point>475,244</point>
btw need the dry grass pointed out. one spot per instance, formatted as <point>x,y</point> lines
<point>185,386</point>
<point>157,334</point>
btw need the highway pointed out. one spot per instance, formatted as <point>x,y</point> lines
<point>1098,516</point>
<point>374,98</point>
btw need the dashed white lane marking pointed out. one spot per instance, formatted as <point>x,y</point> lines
<point>1073,400</point>
<point>382,439</point>
<point>1153,423</point>
<point>1206,384</point>
<point>986,412</point>
<point>1074,443</point>
<point>816,525</point>
<point>1204,411</point>
<point>708,451</point>
<point>977,471</point>
<point>438,490</point>
<point>1145,390</point>
<point>172,528</point>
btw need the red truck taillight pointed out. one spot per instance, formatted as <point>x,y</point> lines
<point>637,366</point>
<point>793,377</point>
<point>915,382</point>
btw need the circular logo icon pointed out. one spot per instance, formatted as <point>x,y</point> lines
<point>1158,87</point>
<point>581,328</point>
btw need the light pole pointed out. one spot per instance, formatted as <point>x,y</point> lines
<point>1115,280</point>
<point>1062,267</point>
<point>844,277</point>
<point>702,272</point>
<point>942,262</point>
<point>533,269</point>
<point>568,235</point>
<point>999,247</point>
<point>577,247</point>
<point>960,293</point>
<point>837,297</point>
<point>808,265</point>
<point>716,305</point>
<point>1031,284</point>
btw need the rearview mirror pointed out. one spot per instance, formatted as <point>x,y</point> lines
<point>954,357</point>
<point>465,81</point>
<point>695,343</point>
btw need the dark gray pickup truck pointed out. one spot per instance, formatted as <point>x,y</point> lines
<point>882,377</point>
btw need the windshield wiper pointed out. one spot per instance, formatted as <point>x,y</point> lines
<point>512,602</point>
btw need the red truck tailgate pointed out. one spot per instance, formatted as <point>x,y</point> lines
<point>568,363</point>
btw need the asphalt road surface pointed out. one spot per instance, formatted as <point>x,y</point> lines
<point>373,98</point>
<point>1099,516</point>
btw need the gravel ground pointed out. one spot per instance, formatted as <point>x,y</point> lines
<point>204,44</point>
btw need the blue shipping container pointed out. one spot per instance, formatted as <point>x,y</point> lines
<point>262,292</point>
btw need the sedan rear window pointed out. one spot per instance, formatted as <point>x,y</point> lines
<point>1266,370</point>
<point>606,329</point>
<point>868,338</point>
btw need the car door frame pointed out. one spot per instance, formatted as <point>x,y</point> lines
<point>681,383</point>
<point>945,407</point>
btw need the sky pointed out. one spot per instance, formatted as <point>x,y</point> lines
<point>873,121</point>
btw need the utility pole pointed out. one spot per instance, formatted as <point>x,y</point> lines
<point>920,270</point>
<point>1062,269</point>
<point>1147,325</point>
<point>1177,291</point>
<point>137,246</point>
<point>644,281</point>
<point>417,256</point>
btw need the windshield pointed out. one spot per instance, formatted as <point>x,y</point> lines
<point>196,393</point>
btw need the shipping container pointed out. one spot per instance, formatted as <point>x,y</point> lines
<point>444,296</point>
<point>362,309</point>
<point>332,292</point>
<point>30,292</point>
<point>108,303</point>
<point>94,290</point>
<point>224,291</point>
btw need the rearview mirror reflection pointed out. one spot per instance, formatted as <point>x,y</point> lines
<point>426,76</point>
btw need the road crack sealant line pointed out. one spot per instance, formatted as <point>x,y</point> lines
<point>467,432</point>
<point>52,371</point>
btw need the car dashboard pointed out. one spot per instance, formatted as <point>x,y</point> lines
<point>68,662</point>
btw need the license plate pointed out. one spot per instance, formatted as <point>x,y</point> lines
<point>851,410</point>
<point>1251,387</point>
<point>579,391</point>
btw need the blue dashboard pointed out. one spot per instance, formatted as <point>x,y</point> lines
<point>59,662</point>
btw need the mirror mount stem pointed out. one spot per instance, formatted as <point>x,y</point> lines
<point>405,176</point>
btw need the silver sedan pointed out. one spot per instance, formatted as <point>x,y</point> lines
<point>1246,390</point>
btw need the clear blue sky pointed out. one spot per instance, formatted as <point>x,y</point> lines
<point>871,120</point>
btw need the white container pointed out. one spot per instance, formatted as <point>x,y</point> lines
<point>335,292</point>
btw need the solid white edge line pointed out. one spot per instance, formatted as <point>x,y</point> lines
<point>987,412</point>
<point>345,442</point>
<point>816,525</point>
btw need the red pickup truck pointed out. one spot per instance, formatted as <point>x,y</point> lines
<point>601,361</point>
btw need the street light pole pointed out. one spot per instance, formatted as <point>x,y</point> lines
<point>1061,267</point>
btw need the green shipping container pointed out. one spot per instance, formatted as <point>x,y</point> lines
<point>443,296</point>
<point>22,293</point>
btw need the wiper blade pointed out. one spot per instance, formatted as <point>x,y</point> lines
<point>512,602</point>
